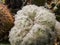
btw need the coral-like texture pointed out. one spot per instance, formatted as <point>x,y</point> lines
<point>33,26</point>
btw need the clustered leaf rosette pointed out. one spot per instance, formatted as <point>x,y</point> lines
<point>33,26</point>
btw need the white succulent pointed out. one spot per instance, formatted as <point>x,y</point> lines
<point>33,24</point>
<point>23,22</point>
<point>45,17</point>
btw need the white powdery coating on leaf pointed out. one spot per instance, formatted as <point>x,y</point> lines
<point>31,23</point>
<point>28,11</point>
<point>44,17</point>
<point>36,32</point>
<point>23,22</point>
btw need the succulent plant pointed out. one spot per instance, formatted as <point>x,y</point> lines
<point>33,26</point>
<point>6,21</point>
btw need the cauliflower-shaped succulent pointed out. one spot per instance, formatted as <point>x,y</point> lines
<point>33,26</point>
